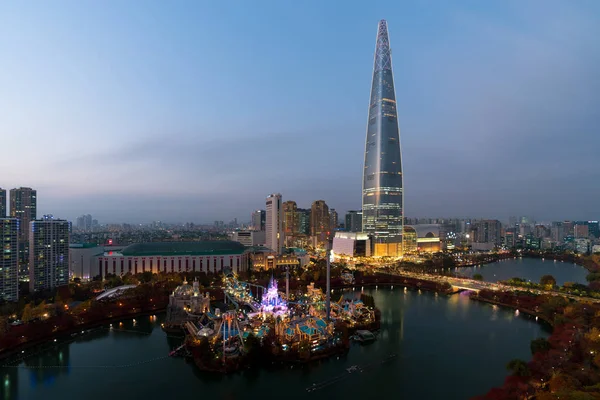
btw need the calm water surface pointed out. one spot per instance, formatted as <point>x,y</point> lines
<point>529,268</point>
<point>446,347</point>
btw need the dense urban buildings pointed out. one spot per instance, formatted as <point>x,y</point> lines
<point>320,223</point>
<point>48,253</point>
<point>351,244</point>
<point>2,203</point>
<point>9,259</point>
<point>333,219</point>
<point>382,194</point>
<point>23,206</point>
<point>275,236</point>
<point>249,238</point>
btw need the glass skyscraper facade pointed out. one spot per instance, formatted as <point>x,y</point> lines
<point>382,201</point>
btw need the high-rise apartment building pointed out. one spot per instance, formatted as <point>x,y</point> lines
<point>275,236</point>
<point>320,223</point>
<point>557,231</point>
<point>9,259</point>
<point>382,193</point>
<point>48,253</point>
<point>354,221</point>
<point>23,206</point>
<point>581,231</point>
<point>258,220</point>
<point>333,219</point>
<point>2,203</point>
<point>290,218</point>
<point>488,231</point>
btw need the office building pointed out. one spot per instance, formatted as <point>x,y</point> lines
<point>487,231</point>
<point>23,206</point>
<point>354,221</point>
<point>258,220</point>
<point>9,259</point>
<point>557,232</point>
<point>333,219</point>
<point>275,236</point>
<point>2,203</point>
<point>290,218</point>
<point>382,194</point>
<point>303,221</point>
<point>320,223</point>
<point>48,253</point>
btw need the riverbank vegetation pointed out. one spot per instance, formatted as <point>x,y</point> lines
<point>564,366</point>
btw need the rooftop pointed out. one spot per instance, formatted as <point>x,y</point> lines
<point>205,248</point>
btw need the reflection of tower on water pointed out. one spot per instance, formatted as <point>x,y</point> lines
<point>9,385</point>
<point>56,356</point>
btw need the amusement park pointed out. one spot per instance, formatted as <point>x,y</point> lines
<point>253,322</point>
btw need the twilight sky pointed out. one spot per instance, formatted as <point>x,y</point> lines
<point>197,110</point>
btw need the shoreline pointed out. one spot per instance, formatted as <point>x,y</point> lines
<point>4,354</point>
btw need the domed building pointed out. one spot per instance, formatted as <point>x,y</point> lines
<point>189,298</point>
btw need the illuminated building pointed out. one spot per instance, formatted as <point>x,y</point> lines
<point>351,244</point>
<point>263,259</point>
<point>9,259</point>
<point>422,238</point>
<point>333,218</point>
<point>275,236</point>
<point>487,231</point>
<point>272,301</point>
<point>48,253</point>
<point>164,257</point>
<point>320,223</point>
<point>190,298</point>
<point>2,203</point>
<point>382,193</point>
<point>23,206</point>
<point>290,218</point>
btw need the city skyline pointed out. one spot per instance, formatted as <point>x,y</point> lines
<point>126,123</point>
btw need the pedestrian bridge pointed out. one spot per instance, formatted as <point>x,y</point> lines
<point>115,292</point>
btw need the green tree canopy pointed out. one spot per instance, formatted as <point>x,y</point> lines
<point>548,280</point>
<point>539,344</point>
<point>518,367</point>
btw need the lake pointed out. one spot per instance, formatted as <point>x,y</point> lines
<point>441,347</point>
<point>528,268</point>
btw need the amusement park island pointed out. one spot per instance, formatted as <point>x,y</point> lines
<point>254,324</point>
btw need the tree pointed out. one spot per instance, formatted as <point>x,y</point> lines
<point>539,344</point>
<point>27,313</point>
<point>3,325</point>
<point>548,281</point>
<point>518,367</point>
<point>593,276</point>
<point>478,277</point>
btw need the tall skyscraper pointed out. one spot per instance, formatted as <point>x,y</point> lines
<point>2,203</point>
<point>382,201</point>
<point>320,223</point>
<point>23,206</point>
<point>274,223</point>
<point>290,218</point>
<point>258,220</point>
<point>48,253</point>
<point>354,221</point>
<point>333,219</point>
<point>304,221</point>
<point>9,259</point>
